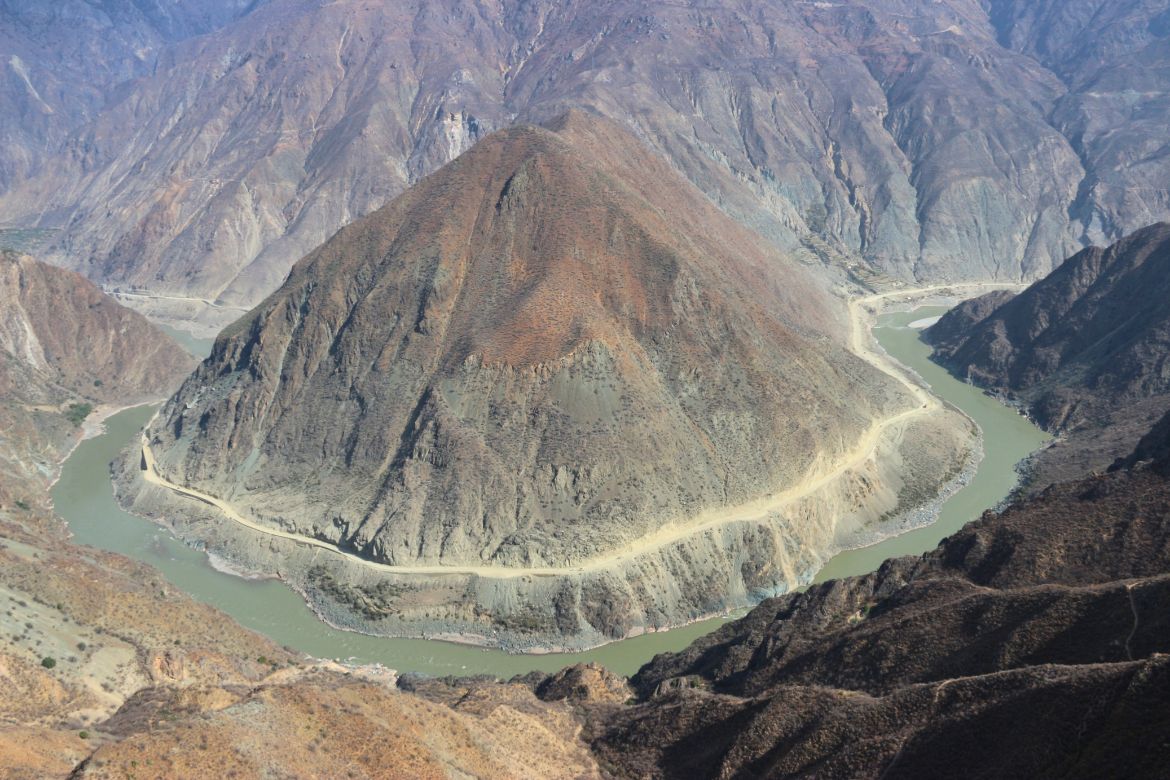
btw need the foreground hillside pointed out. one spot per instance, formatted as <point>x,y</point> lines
<point>100,653</point>
<point>1086,351</point>
<point>82,630</point>
<point>199,149</point>
<point>554,358</point>
<point>1033,643</point>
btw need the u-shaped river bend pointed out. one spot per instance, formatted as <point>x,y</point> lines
<point>84,497</point>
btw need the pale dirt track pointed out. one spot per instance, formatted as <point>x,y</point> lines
<point>818,477</point>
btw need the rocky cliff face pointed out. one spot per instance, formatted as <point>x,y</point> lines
<point>1040,631</point>
<point>932,141</point>
<point>552,351</point>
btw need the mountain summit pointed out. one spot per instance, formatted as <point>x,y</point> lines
<point>540,356</point>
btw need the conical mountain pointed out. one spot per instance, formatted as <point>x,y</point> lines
<point>539,356</point>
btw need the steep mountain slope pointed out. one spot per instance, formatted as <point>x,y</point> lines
<point>936,141</point>
<point>1032,643</point>
<point>1114,59</point>
<point>553,353</point>
<point>65,347</point>
<point>134,667</point>
<point>1086,350</point>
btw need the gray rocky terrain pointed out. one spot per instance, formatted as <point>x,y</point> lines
<point>930,141</point>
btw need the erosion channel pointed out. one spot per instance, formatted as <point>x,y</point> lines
<point>83,496</point>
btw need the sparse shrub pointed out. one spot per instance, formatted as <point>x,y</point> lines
<point>48,662</point>
<point>77,413</point>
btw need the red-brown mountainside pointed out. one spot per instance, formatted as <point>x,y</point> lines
<point>1033,643</point>
<point>550,347</point>
<point>60,331</point>
<point>65,347</point>
<point>947,140</point>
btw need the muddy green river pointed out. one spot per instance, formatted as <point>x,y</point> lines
<point>83,496</point>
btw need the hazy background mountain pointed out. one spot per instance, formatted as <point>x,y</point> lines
<point>939,140</point>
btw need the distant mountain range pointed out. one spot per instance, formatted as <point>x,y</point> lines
<point>202,148</point>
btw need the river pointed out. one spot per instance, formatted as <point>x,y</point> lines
<point>84,497</point>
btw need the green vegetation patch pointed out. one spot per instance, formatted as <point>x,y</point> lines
<point>76,413</point>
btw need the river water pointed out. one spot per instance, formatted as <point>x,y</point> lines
<point>84,497</point>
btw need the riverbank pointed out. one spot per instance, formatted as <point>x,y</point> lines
<point>271,608</point>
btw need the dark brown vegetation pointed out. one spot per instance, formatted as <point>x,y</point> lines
<point>1030,644</point>
<point>1086,351</point>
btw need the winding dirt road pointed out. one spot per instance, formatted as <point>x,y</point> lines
<point>861,312</point>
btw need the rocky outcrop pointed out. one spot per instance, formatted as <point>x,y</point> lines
<point>541,358</point>
<point>1153,449</point>
<point>1024,629</point>
<point>965,140</point>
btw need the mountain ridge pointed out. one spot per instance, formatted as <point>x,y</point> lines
<point>870,142</point>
